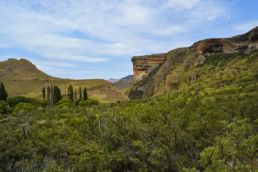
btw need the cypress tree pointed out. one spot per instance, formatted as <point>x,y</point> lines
<point>48,96</point>
<point>56,94</point>
<point>80,93</point>
<point>70,93</point>
<point>44,93</point>
<point>75,96</point>
<point>51,96</point>
<point>59,94</point>
<point>3,92</point>
<point>85,94</point>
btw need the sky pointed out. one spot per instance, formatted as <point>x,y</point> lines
<point>85,39</point>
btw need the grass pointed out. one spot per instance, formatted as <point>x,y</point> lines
<point>22,78</point>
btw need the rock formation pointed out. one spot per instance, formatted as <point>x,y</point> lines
<point>246,42</point>
<point>143,65</point>
<point>184,65</point>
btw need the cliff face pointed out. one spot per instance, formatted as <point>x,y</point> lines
<point>210,61</point>
<point>246,42</point>
<point>143,65</point>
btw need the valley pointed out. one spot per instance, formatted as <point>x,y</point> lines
<point>193,109</point>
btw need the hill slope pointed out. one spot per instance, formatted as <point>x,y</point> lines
<point>207,64</point>
<point>124,82</point>
<point>22,78</point>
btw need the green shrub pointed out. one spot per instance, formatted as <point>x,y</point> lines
<point>13,101</point>
<point>23,107</point>
<point>3,107</point>
<point>89,102</point>
<point>65,102</point>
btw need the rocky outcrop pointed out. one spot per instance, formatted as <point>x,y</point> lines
<point>157,74</point>
<point>143,65</point>
<point>246,42</point>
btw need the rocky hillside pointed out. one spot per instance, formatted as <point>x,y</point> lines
<point>125,82</point>
<point>206,64</point>
<point>22,78</point>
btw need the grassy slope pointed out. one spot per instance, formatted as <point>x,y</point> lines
<point>187,72</point>
<point>23,78</point>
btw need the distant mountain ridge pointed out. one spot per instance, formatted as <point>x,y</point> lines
<point>23,78</point>
<point>125,82</point>
<point>113,80</point>
<point>207,63</point>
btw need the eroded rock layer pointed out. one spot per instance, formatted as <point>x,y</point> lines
<point>183,66</point>
<point>143,65</point>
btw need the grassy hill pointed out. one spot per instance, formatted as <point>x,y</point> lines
<point>22,78</point>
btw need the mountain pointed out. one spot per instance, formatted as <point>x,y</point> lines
<point>22,78</point>
<point>125,82</point>
<point>113,80</point>
<point>206,64</point>
<point>22,69</point>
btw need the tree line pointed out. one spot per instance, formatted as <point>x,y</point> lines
<point>52,94</point>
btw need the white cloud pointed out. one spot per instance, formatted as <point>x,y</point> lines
<point>110,27</point>
<point>183,4</point>
<point>133,13</point>
<point>83,59</point>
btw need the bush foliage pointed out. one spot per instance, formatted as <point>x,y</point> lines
<point>193,130</point>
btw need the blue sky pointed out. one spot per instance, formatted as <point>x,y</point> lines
<point>84,39</point>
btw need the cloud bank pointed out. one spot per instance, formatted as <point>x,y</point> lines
<point>102,32</point>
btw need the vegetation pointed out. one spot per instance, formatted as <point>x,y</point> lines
<point>22,78</point>
<point>3,93</point>
<point>206,121</point>
<point>198,129</point>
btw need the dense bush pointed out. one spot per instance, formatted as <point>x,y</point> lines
<point>23,108</point>
<point>64,103</point>
<point>13,101</point>
<point>89,102</point>
<point>3,107</point>
<point>190,131</point>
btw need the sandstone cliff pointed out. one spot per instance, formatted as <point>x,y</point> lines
<point>143,65</point>
<point>185,67</point>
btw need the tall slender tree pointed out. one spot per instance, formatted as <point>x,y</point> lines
<point>85,94</point>
<point>56,94</point>
<point>49,96</point>
<point>70,93</point>
<point>3,92</point>
<point>52,96</point>
<point>75,96</point>
<point>44,93</point>
<point>80,93</point>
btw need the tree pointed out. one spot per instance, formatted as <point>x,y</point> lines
<point>70,93</point>
<point>44,93</point>
<point>75,95</point>
<point>3,92</point>
<point>56,94</point>
<point>48,96</point>
<point>80,93</point>
<point>3,107</point>
<point>51,96</point>
<point>85,94</point>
